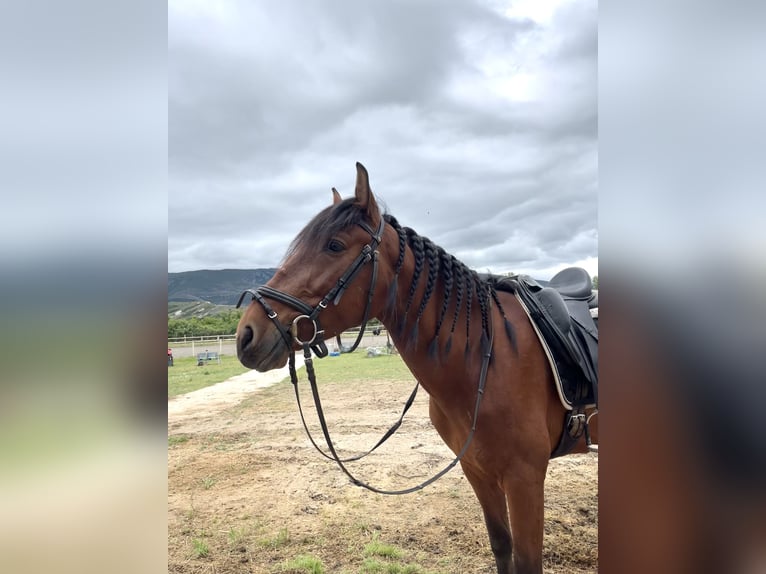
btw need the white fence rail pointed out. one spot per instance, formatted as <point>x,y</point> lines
<point>205,338</point>
<point>226,344</point>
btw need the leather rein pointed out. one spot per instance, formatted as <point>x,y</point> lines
<point>317,344</point>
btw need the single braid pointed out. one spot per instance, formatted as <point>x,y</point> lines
<point>447,263</point>
<point>393,287</point>
<point>483,295</point>
<point>509,330</point>
<point>468,302</point>
<point>432,257</point>
<point>416,244</point>
<point>391,220</point>
<point>459,277</point>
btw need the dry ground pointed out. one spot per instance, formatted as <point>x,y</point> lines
<point>248,493</point>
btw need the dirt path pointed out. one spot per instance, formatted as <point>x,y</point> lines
<point>205,402</point>
<point>247,492</point>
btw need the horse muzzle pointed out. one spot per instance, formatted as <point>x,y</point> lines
<point>261,349</point>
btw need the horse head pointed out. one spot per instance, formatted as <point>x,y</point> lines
<point>325,283</point>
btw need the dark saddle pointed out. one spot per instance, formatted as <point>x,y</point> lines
<point>560,309</point>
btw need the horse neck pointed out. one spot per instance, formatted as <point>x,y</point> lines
<point>439,372</point>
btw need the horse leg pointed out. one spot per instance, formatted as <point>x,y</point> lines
<point>525,493</point>
<point>492,500</point>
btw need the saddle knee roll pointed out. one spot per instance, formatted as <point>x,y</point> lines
<point>555,307</point>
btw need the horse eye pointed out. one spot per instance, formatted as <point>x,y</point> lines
<point>335,246</point>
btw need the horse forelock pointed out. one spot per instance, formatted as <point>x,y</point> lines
<point>327,224</point>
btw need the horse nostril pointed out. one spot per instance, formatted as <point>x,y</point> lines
<point>247,336</point>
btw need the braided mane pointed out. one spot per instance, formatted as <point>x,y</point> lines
<point>432,265</point>
<point>455,276</point>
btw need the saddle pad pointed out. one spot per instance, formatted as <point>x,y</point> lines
<point>572,357</point>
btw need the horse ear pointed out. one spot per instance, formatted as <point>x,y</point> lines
<point>336,198</point>
<point>364,197</point>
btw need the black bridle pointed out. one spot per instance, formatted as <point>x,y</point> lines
<point>291,334</point>
<point>308,313</point>
<point>316,343</point>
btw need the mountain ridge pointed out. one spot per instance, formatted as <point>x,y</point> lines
<point>217,286</point>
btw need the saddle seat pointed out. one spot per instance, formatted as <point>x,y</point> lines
<point>573,282</point>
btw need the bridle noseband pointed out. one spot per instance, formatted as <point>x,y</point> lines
<point>308,313</point>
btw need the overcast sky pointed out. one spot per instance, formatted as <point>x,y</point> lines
<point>477,122</point>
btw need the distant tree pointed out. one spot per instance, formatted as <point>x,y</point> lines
<point>595,281</point>
<point>221,324</point>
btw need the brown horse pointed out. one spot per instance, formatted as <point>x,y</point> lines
<point>443,318</point>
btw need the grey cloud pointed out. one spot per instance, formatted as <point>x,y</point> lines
<point>270,104</point>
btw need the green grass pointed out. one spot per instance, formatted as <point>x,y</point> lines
<point>178,439</point>
<point>281,539</point>
<point>355,366</point>
<point>377,548</point>
<point>236,535</point>
<point>307,564</point>
<point>185,376</point>
<point>199,548</point>
<point>373,566</point>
